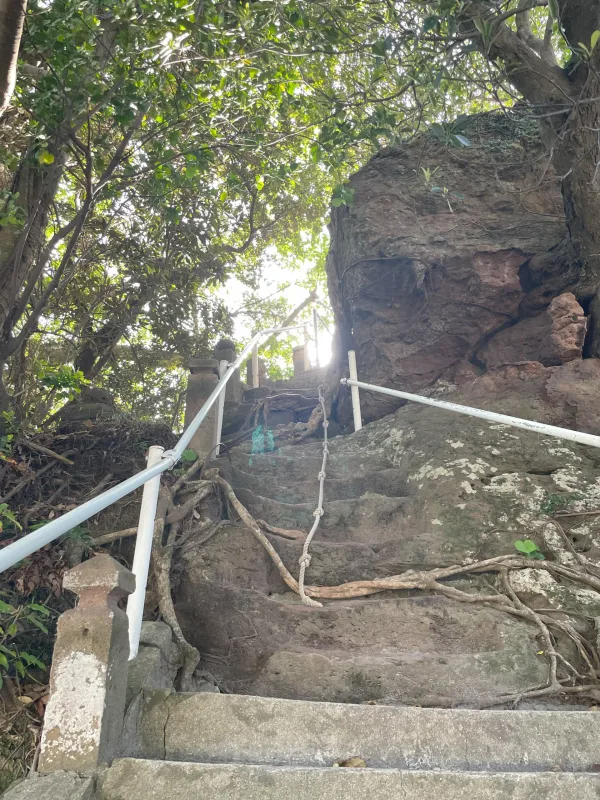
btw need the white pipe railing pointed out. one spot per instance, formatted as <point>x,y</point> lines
<point>143,551</point>
<point>490,416</point>
<point>20,549</point>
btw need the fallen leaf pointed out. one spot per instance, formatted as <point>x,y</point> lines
<point>26,700</point>
<point>354,761</point>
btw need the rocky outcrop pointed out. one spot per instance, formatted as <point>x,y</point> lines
<point>553,337</point>
<point>443,251</point>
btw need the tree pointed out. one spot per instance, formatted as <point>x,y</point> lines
<point>12,17</point>
<point>162,145</point>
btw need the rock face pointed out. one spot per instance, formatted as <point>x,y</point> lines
<point>442,252</point>
<point>553,337</point>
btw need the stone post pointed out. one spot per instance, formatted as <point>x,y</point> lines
<point>225,351</point>
<point>88,680</point>
<point>201,382</point>
<point>299,359</point>
<point>262,373</point>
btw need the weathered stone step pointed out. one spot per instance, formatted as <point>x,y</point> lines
<point>219,728</point>
<point>388,482</point>
<point>372,518</point>
<point>302,465</point>
<point>426,650</point>
<point>136,779</point>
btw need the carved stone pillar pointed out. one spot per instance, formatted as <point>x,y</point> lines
<point>201,382</point>
<point>88,680</point>
<point>225,351</point>
<point>262,373</point>
<point>299,360</point>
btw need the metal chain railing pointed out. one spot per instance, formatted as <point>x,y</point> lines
<point>305,558</point>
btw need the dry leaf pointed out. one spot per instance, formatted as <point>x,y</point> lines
<point>354,761</point>
<point>26,700</point>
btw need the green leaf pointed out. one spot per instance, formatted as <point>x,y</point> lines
<point>35,621</point>
<point>20,667</point>
<point>594,40</point>
<point>462,140</point>
<point>526,546</point>
<point>188,455</point>
<point>45,157</point>
<point>430,23</point>
<point>3,660</point>
<point>31,661</point>
<point>5,608</point>
<point>36,607</point>
<point>554,9</point>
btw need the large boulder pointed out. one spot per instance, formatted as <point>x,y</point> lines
<point>442,251</point>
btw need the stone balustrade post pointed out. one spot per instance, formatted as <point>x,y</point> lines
<point>202,380</point>
<point>225,351</point>
<point>88,680</point>
<point>262,373</point>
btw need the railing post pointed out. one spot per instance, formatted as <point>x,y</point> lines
<point>354,391</point>
<point>306,341</point>
<point>143,550</point>
<point>316,333</point>
<point>88,681</point>
<point>255,375</point>
<point>223,367</point>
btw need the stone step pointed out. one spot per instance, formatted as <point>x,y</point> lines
<point>136,779</point>
<point>372,518</point>
<point>426,650</point>
<point>218,728</point>
<point>388,482</point>
<point>303,464</point>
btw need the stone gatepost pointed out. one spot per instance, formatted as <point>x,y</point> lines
<point>262,373</point>
<point>88,680</point>
<point>300,360</point>
<point>201,382</point>
<point>225,351</point>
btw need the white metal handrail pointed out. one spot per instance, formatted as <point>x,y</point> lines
<point>491,416</point>
<point>159,461</point>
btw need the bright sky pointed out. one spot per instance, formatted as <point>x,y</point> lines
<point>232,295</point>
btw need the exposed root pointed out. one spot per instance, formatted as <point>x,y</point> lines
<point>285,533</point>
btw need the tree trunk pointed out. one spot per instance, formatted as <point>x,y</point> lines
<point>12,17</point>
<point>19,248</point>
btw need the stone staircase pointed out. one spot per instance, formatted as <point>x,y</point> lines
<point>376,680</point>
<point>236,747</point>
<point>395,647</point>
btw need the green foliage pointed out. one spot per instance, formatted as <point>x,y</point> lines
<point>529,549</point>
<point>7,514</point>
<point>11,213</point>
<point>449,133</point>
<point>558,502</point>
<point>16,623</point>
<point>65,381</point>
<point>8,430</point>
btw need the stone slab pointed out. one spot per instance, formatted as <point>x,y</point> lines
<point>58,786</point>
<point>258,730</point>
<point>146,780</point>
